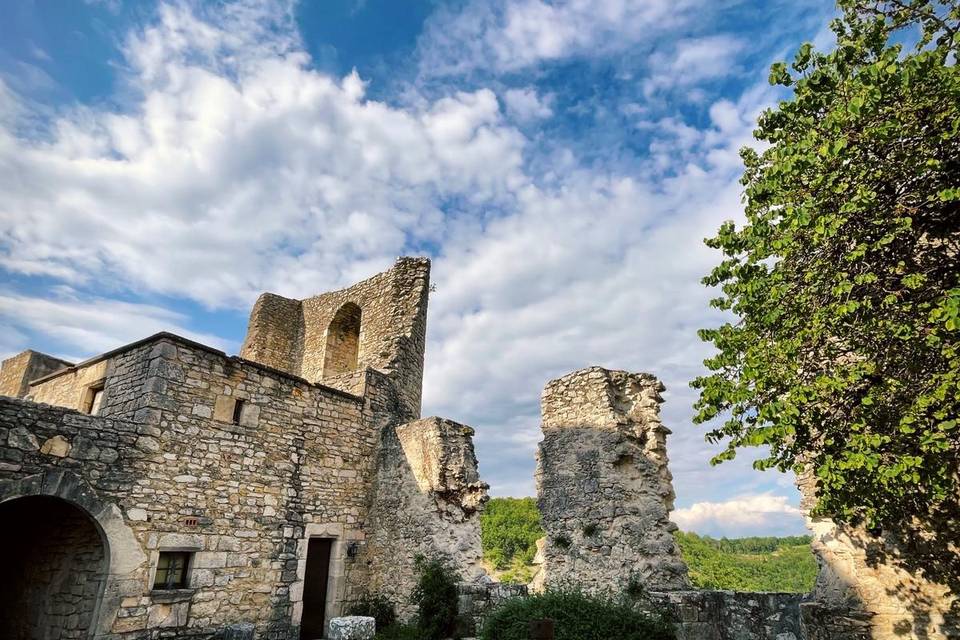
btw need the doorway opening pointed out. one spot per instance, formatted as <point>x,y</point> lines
<point>53,574</point>
<point>316,578</point>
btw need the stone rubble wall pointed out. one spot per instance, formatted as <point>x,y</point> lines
<point>291,335</point>
<point>428,498</point>
<point>857,597</point>
<point>603,487</point>
<point>730,615</point>
<point>477,599</point>
<point>17,371</point>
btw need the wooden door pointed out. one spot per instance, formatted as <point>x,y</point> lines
<point>315,588</point>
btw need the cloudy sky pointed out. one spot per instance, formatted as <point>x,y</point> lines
<point>560,162</point>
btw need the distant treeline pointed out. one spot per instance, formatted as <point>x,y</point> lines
<point>511,527</point>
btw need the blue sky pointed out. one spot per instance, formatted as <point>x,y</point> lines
<point>561,162</point>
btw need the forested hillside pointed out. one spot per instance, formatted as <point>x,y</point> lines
<point>511,527</point>
<point>749,564</point>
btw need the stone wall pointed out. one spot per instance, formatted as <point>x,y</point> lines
<point>603,487</point>
<point>17,371</point>
<point>428,498</point>
<point>293,335</point>
<point>730,615</point>
<point>865,590</point>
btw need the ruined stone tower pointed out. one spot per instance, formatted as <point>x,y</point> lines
<point>603,487</point>
<point>379,323</point>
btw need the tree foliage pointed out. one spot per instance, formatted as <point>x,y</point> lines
<point>510,528</point>
<point>845,280</point>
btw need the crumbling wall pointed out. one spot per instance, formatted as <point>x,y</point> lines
<point>292,335</point>
<point>864,590</point>
<point>17,371</point>
<point>603,487</point>
<point>427,501</point>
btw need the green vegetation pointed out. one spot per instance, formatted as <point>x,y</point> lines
<point>435,595</point>
<point>749,564</point>
<point>375,606</point>
<point>576,617</point>
<point>844,353</point>
<point>510,528</point>
<point>436,598</point>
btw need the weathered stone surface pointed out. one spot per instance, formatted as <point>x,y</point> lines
<point>864,589</point>
<point>603,487</point>
<point>428,498</point>
<point>310,338</point>
<point>352,628</point>
<point>17,371</point>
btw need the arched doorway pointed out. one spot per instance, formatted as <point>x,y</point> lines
<point>343,341</point>
<point>55,565</point>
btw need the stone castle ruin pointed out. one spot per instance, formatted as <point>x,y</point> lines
<point>167,490</point>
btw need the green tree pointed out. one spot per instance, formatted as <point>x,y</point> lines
<point>510,528</point>
<point>845,279</point>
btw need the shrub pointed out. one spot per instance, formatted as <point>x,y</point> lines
<point>398,632</point>
<point>436,597</point>
<point>589,529</point>
<point>577,616</point>
<point>562,540</point>
<point>375,606</point>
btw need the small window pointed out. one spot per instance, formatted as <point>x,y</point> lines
<point>237,411</point>
<point>94,398</point>
<point>172,569</point>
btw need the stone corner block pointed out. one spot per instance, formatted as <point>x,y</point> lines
<point>352,628</point>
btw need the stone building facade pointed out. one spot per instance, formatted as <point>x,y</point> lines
<point>190,492</point>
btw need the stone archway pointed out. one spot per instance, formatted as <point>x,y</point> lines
<point>104,563</point>
<point>342,348</point>
<point>54,572</point>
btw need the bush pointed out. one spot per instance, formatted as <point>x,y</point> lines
<point>375,606</point>
<point>577,616</point>
<point>398,632</point>
<point>436,597</point>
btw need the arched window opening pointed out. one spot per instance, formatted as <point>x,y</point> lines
<point>343,341</point>
<point>55,566</point>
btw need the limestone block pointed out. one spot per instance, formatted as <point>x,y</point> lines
<point>352,628</point>
<point>57,446</point>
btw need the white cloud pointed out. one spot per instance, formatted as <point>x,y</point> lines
<point>240,169</point>
<point>764,514</point>
<point>693,61</point>
<point>92,325</point>
<point>526,105</point>
<point>510,35</point>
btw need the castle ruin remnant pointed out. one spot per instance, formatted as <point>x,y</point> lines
<point>603,487</point>
<point>187,493</point>
<point>863,588</point>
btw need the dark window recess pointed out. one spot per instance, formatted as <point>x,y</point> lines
<point>172,569</point>
<point>237,411</point>
<point>94,398</point>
